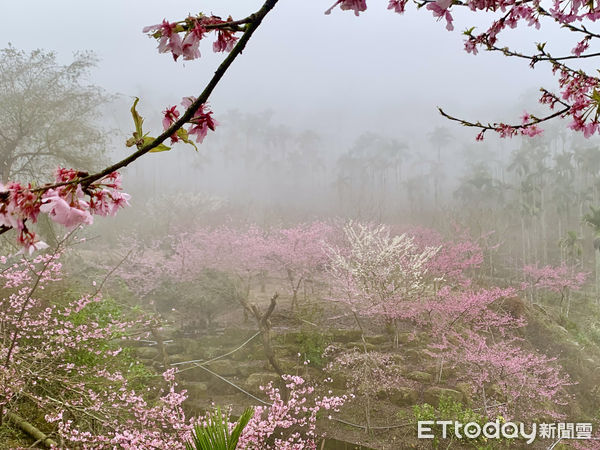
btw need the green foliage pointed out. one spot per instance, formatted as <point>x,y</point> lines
<point>452,409</point>
<point>184,136</point>
<point>139,138</point>
<point>449,409</point>
<point>135,371</point>
<point>215,433</point>
<point>311,343</point>
<point>424,412</point>
<point>159,148</point>
<point>311,347</point>
<point>593,219</point>
<point>137,119</point>
<point>103,313</point>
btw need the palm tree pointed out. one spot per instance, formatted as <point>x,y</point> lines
<point>563,189</point>
<point>479,187</point>
<point>571,247</point>
<point>439,137</point>
<point>592,219</point>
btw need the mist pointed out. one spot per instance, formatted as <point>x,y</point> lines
<point>333,230</point>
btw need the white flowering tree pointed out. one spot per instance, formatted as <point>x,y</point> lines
<point>376,273</point>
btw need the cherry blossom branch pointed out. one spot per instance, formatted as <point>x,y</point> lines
<point>38,279</point>
<point>63,200</point>
<point>542,56</point>
<point>41,437</point>
<point>232,25</point>
<point>567,25</point>
<point>254,22</point>
<point>579,90</point>
<point>501,127</point>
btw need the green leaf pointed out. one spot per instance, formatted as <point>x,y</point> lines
<point>159,148</point>
<point>137,119</point>
<point>596,96</point>
<point>215,434</point>
<point>184,136</point>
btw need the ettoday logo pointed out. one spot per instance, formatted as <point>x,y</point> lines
<point>504,430</point>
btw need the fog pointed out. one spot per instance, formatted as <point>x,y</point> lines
<point>338,76</point>
<point>381,72</point>
<point>333,211</point>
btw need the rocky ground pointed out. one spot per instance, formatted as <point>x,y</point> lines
<point>231,366</point>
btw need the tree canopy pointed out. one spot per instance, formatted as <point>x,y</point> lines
<point>48,114</point>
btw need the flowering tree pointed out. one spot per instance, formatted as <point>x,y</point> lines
<point>507,379</point>
<point>298,253</point>
<point>377,274</point>
<point>561,280</point>
<point>288,424</point>
<point>42,130</point>
<point>241,252</point>
<point>454,258</point>
<point>472,330</point>
<point>368,374</point>
<point>58,357</point>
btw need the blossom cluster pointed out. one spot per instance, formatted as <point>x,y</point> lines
<point>200,123</point>
<point>578,96</point>
<point>560,279</point>
<point>376,273</point>
<point>460,320</point>
<point>452,264</point>
<point>66,203</point>
<point>194,29</point>
<point>72,338</point>
<point>288,424</point>
<point>555,279</point>
<point>295,253</point>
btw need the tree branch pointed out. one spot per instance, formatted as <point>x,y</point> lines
<point>31,430</point>
<point>254,22</point>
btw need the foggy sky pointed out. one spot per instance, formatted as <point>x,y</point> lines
<point>380,72</point>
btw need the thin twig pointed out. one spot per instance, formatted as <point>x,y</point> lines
<point>232,384</point>
<point>201,362</point>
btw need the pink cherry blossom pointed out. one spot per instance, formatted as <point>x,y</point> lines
<point>170,115</point>
<point>357,6</point>
<point>191,42</point>
<point>397,6</point>
<point>169,39</point>
<point>440,9</point>
<point>225,41</point>
<point>202,120</point>
<point>62,212</point>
